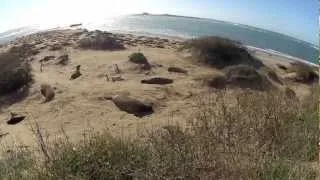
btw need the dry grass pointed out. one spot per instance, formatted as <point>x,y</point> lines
<point>220,52</point>
<point>258,136</point>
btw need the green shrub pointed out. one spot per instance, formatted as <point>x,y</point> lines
<point>220,52</point>
<point>138,58</point>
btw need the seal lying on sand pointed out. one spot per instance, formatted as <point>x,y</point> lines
<point>47,92</point>
<point>131,105</point>
<point>177,70</point>
<point>157,80</point>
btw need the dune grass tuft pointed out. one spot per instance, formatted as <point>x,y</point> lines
<point>261,135</point>
<point>220,52</point>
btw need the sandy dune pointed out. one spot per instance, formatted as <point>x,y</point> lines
<point>79,104</point>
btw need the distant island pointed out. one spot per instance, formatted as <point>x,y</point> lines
<point>172,15</point>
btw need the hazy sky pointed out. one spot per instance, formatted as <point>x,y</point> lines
<point>297,18</point>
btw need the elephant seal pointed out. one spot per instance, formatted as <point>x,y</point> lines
<point>131,105</point>
<point>157,80</point>
<point>47,92</point>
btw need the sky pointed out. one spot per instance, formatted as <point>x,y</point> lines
<point>296,18</point>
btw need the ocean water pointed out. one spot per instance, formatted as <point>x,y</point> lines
<point>186,27</point>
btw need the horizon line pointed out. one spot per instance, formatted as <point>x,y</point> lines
<point>232,22</point>
<point>316,46</point>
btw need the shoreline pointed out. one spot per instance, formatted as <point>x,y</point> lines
<point>280,54</point>
<point>162,36</point>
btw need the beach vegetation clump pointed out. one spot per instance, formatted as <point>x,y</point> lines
<point>100,41</point>
<point>304,73</point>
<point>218,81</point>
<point>271,74</point>
<point>245,76</point>
<point>220,52</point>
<point>140,58</point>
<point>15,70</point>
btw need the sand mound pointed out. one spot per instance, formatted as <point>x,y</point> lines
<point>63,59</point>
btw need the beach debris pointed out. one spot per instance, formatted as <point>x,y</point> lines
<point>107,77</point>
<point>55,47</point>
<point>41,66</point>
<point>116,78</point>
<point>116,68</point>
<point>3,134</point>
<point>156,65</point>
<point>177,70</point>
<point>283,67</point>
<point>15,118</point>
<point>131,105</point>
<point>76,74</point>
<point>63,59</point>
<point>47,58</point>
<point>157,80</point>
<point>47,92</point>
<point>75,25</point>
